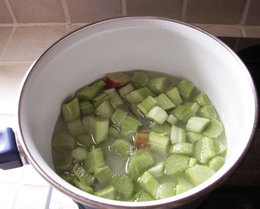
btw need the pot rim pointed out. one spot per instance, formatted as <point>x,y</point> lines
<point>113,203</point>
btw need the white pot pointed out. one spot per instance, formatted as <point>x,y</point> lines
<point>125,44</point>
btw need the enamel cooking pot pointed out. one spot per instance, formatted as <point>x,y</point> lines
<point>125,44</point>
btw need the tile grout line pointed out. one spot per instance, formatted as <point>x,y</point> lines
<point>11,11</point>
<point>33,24</point>
<point>8,43</point>
<point>66,14</point>
<point>124,7</point>
<point>245,12</point>
<point>184,10</point>
<point>243,31</point>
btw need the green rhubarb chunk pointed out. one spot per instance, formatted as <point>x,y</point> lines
<point>105,109</point>
<point>130,125</point>
<point>71,110</point>
<point>158,143</point>
<point>204,150</point>
<point>178,135</point>
<point>149,184</point>
<point>202,99</point>
<point>123,91</point>
<point>123,184</point>
<point>76,127</point>
<point>89,162</point>
<point>142,196</point>
<point>146,105</point>
<point>199,173</point>
<point>107,192</point>
<point>101,97</point>
<point>171,119</point>
<point>138,163</point>
<point>114,98</point>
<point>164,129</point>
<point>216,163</point>
<point>86,107</point>
<point>207,111</point>
<point>79,154</point>
<point>214,129</point>
<point>194,137</point>
<point>90,91</point>
<point>100,128</point>
<point>185,111</point>
<point>158,85</point>
<point>176,163</point>
<point>114,133</point>
<point>174,95</point>
<point>67,177</point>
<point>103,175</point>
<point>78,170</point>
<point>87,122</point>
<point>186,88</point>
<point>138,95</point>
<point>181,148</point>
<point>85,140</point>
<point>197,124</point>
<point>164,101</point>
<point>64,162</point>
<point>192,162</point>
<point>122,147</point>
<point>62,141</point>
<point>139,79</point>
<point>118,117</point>
<point>183,185</point>
<point>167,189</point>
<point>137,113</point>
<point>219,147</point>
<point>97,158</point>
<point>157,114</point>
<point>157,170</point>
<point>82,185</point>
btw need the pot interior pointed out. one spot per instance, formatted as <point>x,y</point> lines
<point>127,44</point>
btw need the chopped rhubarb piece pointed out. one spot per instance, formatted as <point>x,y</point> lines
<point>116,79</point>
<point>142,139</point>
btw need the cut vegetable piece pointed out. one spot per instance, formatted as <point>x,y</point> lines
<point>78,170</point>
<point>86,108</point>
<point>219,147</point>
<point>192,162</point>
<point>129,125</point>
<point>197,124</point>
<point>146,105</point>
<point>164,129</point>
<point>71,110</point>
<point>164,102</point>
<point>79,154</point>
<point>87,122</point>
<point>138,163</point>
<point>67,177</point>
<point>103,175</point>
<point>89,162</point>
<point>123,184</point>
<point>157,170</point>
<point>176,163</point>
<point>207,112</point>
<point>178,135</point>
<point>85,140</point>
<point>183,185</point>
<point>167,189</point>
<point>121,147</point>
<point>137,113</point>
<point>88,178</point>
<point>141,139</point>
<point>116,79</point>
<point>101,97</point>
<point>118,117</point>
<point>158,85</point>
<point>174,95</point>
<point>194,137</point>
<point>181,148</point>
<point>157,142</point>
<point>199,173</point>
<point>97,158</point>
<point>214,129</point>
<point>107,192</point>
<point>216,163</point>
<point>186,88</point>
<point>76,127</point>
<point>105,109</point>
<point>63,141</point>
<point>142,196</point>
<point>90,91</point>
<point>123,91</point>
<point>172,119</point>
<point>114,98</point>
<point>64,163</point>
<point>140,79</point>
<point>204,150</point>
<point>202,99</point>
<point>114,133</point>
<point>157,114</point>
<point>100,129</point>
<point>185,111</point>
<point>138,95</point>
<point>149,184</point>
<point>83,186</point>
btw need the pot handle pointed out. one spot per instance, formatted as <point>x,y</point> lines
<point>9,155</point>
